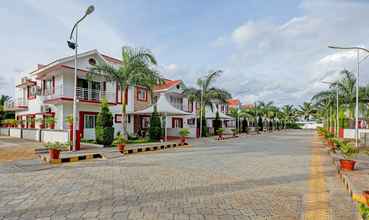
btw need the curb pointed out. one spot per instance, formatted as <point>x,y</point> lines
<point>71,159</point>
<point>355,196</point>
<point>154,148</point>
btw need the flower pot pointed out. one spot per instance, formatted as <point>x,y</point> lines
<point>54,154</point>
<point>220,137</point>
<point>366,196</point>
<point>347,165</point>
<point>183,140</point>
<point>120,147</point>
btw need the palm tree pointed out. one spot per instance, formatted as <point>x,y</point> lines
<point>208,92</point>
<point>307,110</point>
<point>289,114</point>
<point>136,69</point>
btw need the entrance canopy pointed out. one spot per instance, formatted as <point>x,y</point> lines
<point>222,116</point>
<point>163,107</point>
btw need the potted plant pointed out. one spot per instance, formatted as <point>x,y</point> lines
<point>348,152</point>
<point>234,132</point>
<point>220,132</point>
<point>364,211</point>
<point>50,122</point>
<point>54,149</point>
<point>120,142</point>
<point>184,132</point>
<point>366,196</point>
<point>69,120</point>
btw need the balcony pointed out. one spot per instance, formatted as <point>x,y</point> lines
<point>18,104</point>
<point>83,94</point>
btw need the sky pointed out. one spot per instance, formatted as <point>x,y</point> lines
<point>269,50</point>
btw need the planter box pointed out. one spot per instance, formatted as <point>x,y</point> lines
<point>4,131</point>
<point>15,132</point>
<point>31,134</point>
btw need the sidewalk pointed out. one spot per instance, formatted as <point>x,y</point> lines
<point>355,181</point>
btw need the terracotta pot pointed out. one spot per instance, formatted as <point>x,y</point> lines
<point>220,137</point>
<point>54,154</point>
<point>366,196</point>
<point>347,165</point>
<point>183,140</point>
<point>120,147</point>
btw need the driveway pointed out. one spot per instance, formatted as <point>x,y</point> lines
<point>272,176</point>
<point>17,149</point>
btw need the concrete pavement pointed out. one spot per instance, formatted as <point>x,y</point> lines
<point>253,177</point>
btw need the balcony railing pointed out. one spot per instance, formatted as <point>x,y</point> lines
<point>16,104</point>
<point>83,94</point>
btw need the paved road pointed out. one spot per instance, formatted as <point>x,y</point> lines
<point>16,149</point>
<point>254,177</point>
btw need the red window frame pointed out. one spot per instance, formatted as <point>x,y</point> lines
<point>139,89</point>
<point>29,96</point>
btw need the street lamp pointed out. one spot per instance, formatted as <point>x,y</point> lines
<point>357,85</point>
<point>74,46</point>
<point>337,102</point>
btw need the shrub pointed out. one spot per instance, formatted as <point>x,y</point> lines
<point>364,211</point>
<point>120,140</point>
<point>347,150</point>
<point>217,123</point>
<point>260,123</point>
<point>56,145</point>
<point>104,130</point>
<point>184,132</point>
<point>155,131</point>
<point>220,131</point>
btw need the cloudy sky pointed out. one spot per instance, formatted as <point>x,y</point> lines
<point>269,50</point>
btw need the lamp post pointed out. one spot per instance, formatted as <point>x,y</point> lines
<point>74,46</point>
<point>357,84</point>
<point>201,109</point>
<point>337,103</point>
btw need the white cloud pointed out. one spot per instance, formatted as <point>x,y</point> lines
<point>37,31</point>
<point>286,61</point>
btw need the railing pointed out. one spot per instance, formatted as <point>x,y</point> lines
<point>84,94</point>
<point>14,104</point>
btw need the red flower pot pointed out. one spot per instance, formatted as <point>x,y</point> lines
<point>54,154</point>
<point>220,137</point>
<point>120,147</point>
<point>366,196</point>
<point>183,140</point>
<point>347,165</point>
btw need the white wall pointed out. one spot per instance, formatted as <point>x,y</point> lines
<point>4,131</point>
<point>31,134</point>
<point>15,132</point>
<point>54,135</point>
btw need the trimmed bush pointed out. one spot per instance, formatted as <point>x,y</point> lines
<point>217,123</point>
<point>104,130</point>
<point>155,131</point>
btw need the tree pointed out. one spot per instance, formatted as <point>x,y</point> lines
<point>136,69</point>
<point>155,131</point>
<point>208,92</point>
<point>307,110</point>
<point>104,125</point>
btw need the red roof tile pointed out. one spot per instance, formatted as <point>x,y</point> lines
<point>167,84</point>
<point>233,102</point>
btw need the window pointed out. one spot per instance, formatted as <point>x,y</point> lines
<point>49,86</point>
<point>141,94</point>
<point>177,123</point>
<point>90,121</point>
<point>145,122</point>
<point>176,102</point>
<point>118,118</point>
<point>191,121</point>
<point>31,92</point>
<point>92,61</point>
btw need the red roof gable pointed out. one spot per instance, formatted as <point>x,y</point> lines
<point>167,84</point>
<point>111,59</point>
<point>233,102</point>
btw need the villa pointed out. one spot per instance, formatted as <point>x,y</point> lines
<point>47,92</point>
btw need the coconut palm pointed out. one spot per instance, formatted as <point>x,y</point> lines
<point>307,110</point>
<point>288,114</point>
<point>136,69</point>
<point>208,92</point>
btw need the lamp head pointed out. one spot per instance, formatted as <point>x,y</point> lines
<point>90,9</point>
<point>71,44</point>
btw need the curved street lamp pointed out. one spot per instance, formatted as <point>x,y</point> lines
<point>357,85</point>
<point>74,46</point>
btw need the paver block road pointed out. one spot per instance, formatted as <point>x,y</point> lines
<point>253,177</point>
